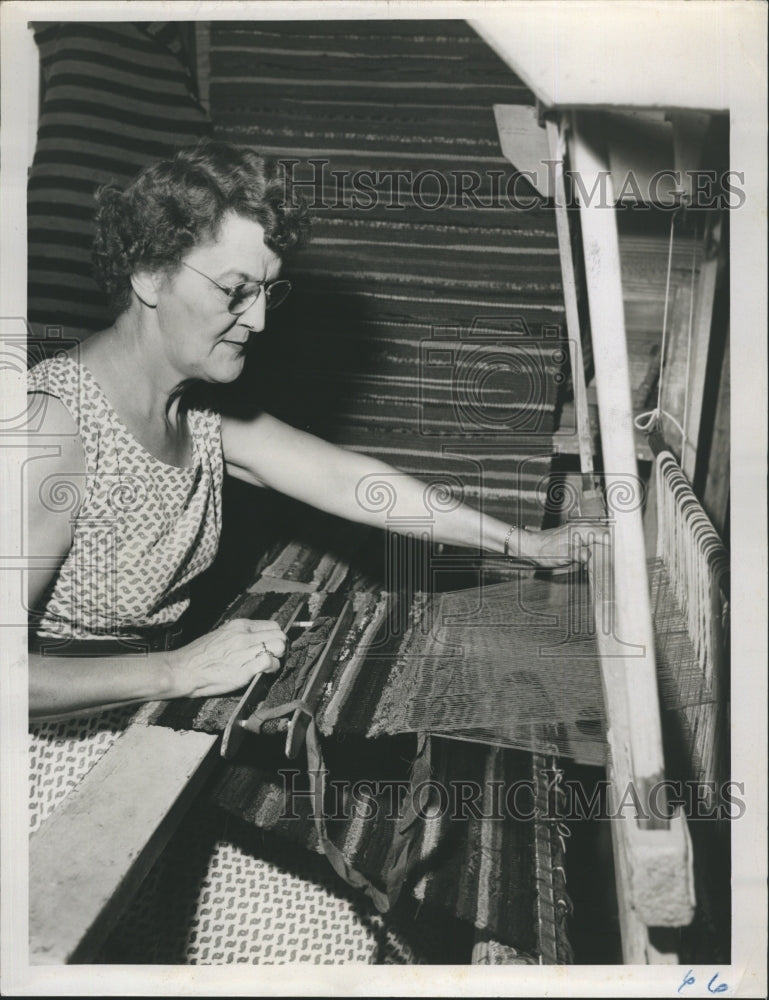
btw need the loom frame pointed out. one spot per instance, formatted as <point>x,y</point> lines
<point>634,730</point>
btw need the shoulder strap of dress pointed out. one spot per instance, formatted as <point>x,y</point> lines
<point>68,381</point>
<point>206,427</point>
<point>59,377</point>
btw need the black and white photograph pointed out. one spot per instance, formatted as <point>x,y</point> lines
<point>383,552</point>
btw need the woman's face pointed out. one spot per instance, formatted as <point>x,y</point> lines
<point>201,338</point>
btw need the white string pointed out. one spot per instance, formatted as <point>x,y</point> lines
<point>652,419</point>
<point>697,566</point>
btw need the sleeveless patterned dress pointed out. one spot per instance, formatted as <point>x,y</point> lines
<point>142,530</point>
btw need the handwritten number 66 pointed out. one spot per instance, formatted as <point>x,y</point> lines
<point>689,980</point>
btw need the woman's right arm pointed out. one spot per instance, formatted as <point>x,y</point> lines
<point>217,663</point>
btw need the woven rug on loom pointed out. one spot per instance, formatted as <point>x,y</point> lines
<point>510,664</point>
<point>366,778</point>
<point>428,333</point>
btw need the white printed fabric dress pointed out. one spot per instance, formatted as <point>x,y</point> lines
<point>142,531</point>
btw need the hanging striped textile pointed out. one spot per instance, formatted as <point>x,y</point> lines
<point>426,323</point>
<point>115,96</point>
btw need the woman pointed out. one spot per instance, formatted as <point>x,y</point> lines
<point>190,254</point>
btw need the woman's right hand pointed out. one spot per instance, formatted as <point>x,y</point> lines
<point>226,659</point>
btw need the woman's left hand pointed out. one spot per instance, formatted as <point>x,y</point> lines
<point>565,545</point>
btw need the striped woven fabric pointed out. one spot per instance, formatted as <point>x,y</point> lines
<point>427,313</point>
<point>398,675</point>
<point>115,96</point>
<point>486,865</point>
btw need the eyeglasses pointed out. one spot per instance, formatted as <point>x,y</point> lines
<point>242,297</point>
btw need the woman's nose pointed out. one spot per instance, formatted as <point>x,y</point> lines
<point>254,316</point>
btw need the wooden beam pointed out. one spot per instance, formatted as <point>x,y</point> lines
<point>698,362</point>
<point>89,857</point>
<point>633,625</point>
<point>650,521</point>
<point>574,58</point>
<point>524,144</point>
<point>657,883</point>
<point>715,498</point>
<point>584,433</point>
<point>689,130</point>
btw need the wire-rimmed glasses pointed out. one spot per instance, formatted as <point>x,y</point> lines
<point>241,297</point>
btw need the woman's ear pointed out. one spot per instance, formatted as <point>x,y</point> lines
<point>146,285</point>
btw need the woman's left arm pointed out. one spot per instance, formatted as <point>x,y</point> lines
<point>265,451</point>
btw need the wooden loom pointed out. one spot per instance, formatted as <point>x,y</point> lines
<point>653,864</point>
<point>73,904</point>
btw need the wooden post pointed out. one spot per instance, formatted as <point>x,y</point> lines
<point>584,436</point>
<point>653,856</point>
<point>698,363</point>
<point>715,498</point>
<point>633,626</point>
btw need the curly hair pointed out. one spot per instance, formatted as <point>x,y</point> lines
<point>176,204</point>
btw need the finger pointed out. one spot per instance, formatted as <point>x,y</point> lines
<point>277,645</point>
<point>259,625</point>
<point>270,647</point>
<point>265,663</point>
<point>266,630</point>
